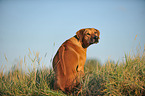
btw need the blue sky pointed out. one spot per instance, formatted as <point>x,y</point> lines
<point>39,24</point>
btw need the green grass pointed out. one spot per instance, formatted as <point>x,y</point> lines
<point>121,78</point>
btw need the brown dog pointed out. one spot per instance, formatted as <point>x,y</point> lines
<point>68,63</point>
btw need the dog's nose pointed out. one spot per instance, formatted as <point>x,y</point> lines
<point>96,37</point>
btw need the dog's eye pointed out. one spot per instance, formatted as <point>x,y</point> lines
<point>88,34</point>
<point>95,32</point>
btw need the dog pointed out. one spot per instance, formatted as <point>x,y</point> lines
<point>68,63</point>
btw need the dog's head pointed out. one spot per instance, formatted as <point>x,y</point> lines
<point>88,36</point>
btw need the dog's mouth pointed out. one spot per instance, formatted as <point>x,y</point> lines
<point>94,40</point>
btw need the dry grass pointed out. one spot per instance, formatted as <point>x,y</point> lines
<point>125,78</point>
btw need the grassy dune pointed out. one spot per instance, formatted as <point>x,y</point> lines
<point>124,78</point>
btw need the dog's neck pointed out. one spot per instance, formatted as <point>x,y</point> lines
<point>80,42</point>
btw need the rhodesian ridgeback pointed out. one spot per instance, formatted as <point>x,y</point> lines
<point>68,63</point>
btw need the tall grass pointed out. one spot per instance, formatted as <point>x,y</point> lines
<point>124,78</point>
<point>23,80</point>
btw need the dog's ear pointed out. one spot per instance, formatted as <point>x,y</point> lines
<point>80,34</point>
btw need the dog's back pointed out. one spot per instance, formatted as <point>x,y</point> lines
<point>66,64</point>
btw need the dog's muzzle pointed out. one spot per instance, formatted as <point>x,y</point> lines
<point>94,39</point>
